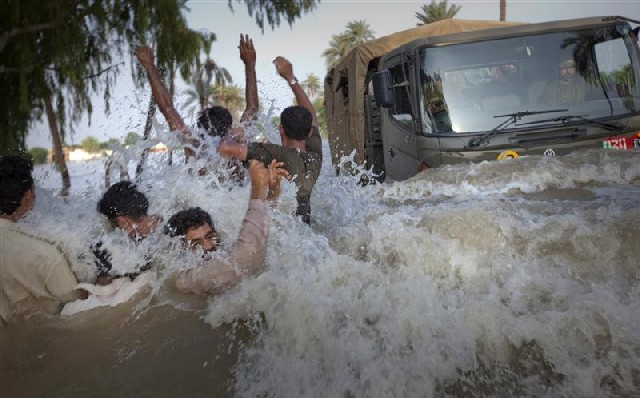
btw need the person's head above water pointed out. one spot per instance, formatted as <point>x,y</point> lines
<point>216,121</point>
<point>567,69</point>
<point>295,123</point>
<point>196,228</point>
<point>17,194</point>
<point>126,208</point>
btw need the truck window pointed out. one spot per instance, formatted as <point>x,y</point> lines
<point>401,111</point>
<point>615,71</point>
<point>592,72</point>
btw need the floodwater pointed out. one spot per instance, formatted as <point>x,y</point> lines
<point>518,278</point>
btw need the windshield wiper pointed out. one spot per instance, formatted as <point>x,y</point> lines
<point>565,119</point>
<point>513,117</point>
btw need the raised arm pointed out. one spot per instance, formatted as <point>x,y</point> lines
<point>248,56</point>
<point>285,70</point>
<point>247,253</point>
<point>161,95</point>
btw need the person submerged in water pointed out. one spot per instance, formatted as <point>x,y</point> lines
<point>216,121</point>
<point>35,275</point>
<point>126,208</point>
<point>232,264</point>
<point>301,145</point>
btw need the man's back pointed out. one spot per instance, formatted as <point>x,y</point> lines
<point>34,274</point>
<point>303,167</point>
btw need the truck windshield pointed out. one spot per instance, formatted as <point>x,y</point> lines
<point>594,73</point>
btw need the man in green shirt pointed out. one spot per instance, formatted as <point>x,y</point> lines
<point>301,149</point>
<point>568,88</point>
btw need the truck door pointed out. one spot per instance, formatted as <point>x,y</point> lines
<point>398,127</point>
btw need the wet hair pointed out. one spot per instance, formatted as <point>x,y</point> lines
<point>184,220</point>
<point>215,120</point>
<point>15,182</point>
<point>123,199</point>
<point>296,121</point>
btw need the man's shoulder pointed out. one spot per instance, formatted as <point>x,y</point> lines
<point>15,235</point>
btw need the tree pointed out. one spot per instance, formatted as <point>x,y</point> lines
<point>131,138</point>
<point>436,12</point>
<point>39,155</point>
<point>231,97</point>
<point>312,85</point>
<point>90,144</point>
<point>503,10</point>
<point>55,56</point>
<point>356,33</point>
<point>318,104</point>
<point>273,10</point>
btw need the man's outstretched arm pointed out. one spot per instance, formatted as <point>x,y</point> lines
<point>246,255</point>
<point>161,95</point>
<point>248,56</point>
<point>285,70</point>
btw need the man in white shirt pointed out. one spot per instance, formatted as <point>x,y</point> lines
<point>35,275</point>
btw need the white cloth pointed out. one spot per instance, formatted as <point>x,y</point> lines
<point>117,292</point>
<point>35,275</point>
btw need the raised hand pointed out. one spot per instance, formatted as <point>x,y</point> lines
<point>283,67</point>
<point>247,51</point>
<point>144,55</point>
<point>276,173</point>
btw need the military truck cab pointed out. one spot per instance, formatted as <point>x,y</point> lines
<point>491,92</point>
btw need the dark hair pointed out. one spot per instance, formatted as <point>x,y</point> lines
<point>184,220</point>
<point>296,121</point>
<point>123,199</point>
<point>216,120</point>
<point>15,181</point>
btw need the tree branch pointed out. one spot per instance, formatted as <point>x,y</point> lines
<point>4,38</point>
<point>103,71</point>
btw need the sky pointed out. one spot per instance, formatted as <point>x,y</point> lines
<point>303,44</point>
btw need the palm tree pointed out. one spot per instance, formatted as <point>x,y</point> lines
<point>209,72</point>
<point>356,33</point>
<point>503,10</point>
<point>230,96</point>
<point>436,12</point>
<point>312,85</point>
<point>338,48</point>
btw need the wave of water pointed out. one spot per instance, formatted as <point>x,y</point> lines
<point>511,278</point>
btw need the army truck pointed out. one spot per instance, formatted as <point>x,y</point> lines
<point>466,91</point>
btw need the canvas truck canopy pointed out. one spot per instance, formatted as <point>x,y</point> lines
<point>345,83</point>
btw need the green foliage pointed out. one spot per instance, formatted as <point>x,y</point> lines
<point>131,138</point>
<point>318,104</point>
<point>312,85</point>
<point>273,10</point>
<point>39,155</point>
<point>90,144</point>
<point>436,12</point>
<point>356,33</point>
<point>71,51</point>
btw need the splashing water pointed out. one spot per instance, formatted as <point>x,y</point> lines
<point>511,278</point>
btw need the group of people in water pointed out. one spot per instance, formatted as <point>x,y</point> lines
<point>36,275</point>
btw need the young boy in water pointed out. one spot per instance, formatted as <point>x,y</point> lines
<point>195,226</point>
<point>243,258</point>
<point>126,208</point>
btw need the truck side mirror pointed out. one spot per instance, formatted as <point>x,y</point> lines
<point>382,89</point>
